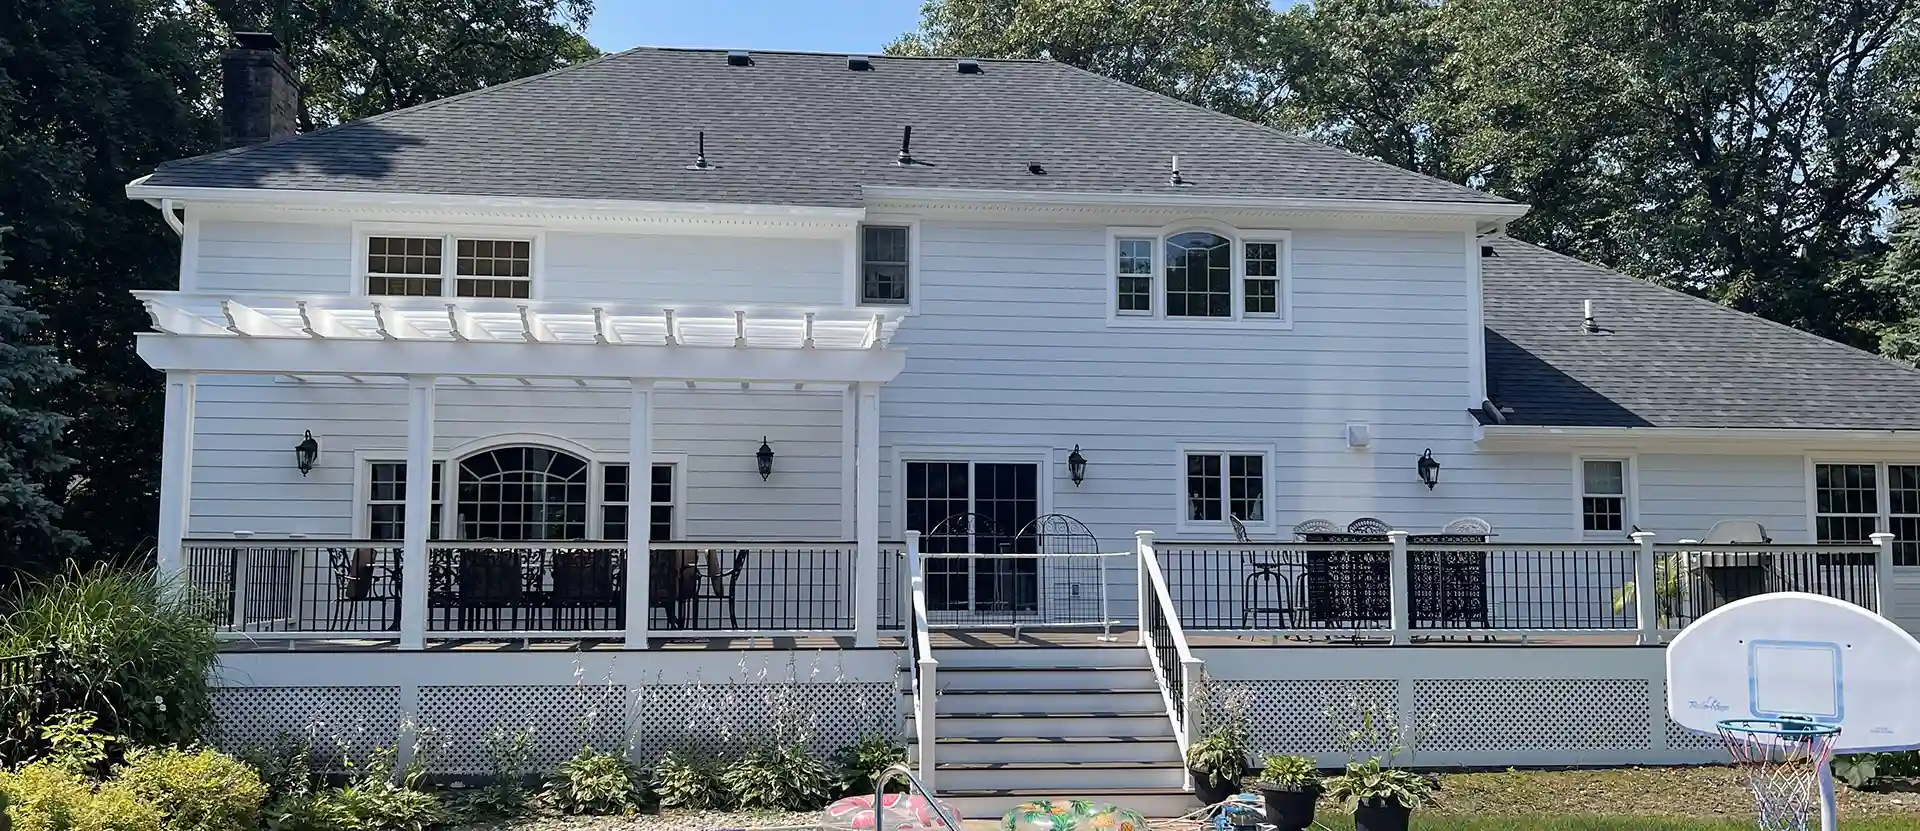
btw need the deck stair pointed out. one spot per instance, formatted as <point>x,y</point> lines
<point>1060,722</point>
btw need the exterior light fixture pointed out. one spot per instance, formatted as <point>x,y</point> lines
<point>1077,466</point>
<point>765,459</point>
<point>1429,469</point>
<point>306,453</point>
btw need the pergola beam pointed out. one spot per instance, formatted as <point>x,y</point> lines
<point>318,322</point>
<point>394,326</point>
<point>533,328</point>
<point>244,321</point>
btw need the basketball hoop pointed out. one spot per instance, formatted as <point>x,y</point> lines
<point>1785,762</point>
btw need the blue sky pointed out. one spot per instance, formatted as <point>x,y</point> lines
<point>852,26</point>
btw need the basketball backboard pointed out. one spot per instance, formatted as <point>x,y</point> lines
<point>1798,655</point>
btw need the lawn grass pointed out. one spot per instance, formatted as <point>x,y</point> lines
<point>1426,822</point>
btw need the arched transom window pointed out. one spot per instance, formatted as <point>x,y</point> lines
<point>1199,274</point>
<point>523,493</point>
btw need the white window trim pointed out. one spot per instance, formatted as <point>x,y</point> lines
<point>1239,237</point>
<point>1189,526</point>
<point>362,231</point>
<point>854,262</point>
<point>902,456</point>
<point>1882,500</point>
<point>596,484</point>
<point>1629,512</point>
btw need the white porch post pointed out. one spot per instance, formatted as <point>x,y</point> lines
<point>1882,570</point>
<point>866,522</point>
<point>1399,589</point>
<point>639,523</point>
<point>413,555</point>
<point>1646,589</point>
<point>176,474</point>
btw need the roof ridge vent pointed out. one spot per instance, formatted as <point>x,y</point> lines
<point>969,66</point>
<point>859,63</point>
<point>739,57</point>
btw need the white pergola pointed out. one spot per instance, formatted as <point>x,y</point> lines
<point>423,339</point>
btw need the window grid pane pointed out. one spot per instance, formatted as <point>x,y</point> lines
<point>1263,278</point>
<point>1603,513</point>
<point>1903,513</point>
<point>387,501</point>
<point>403,255</point>
<point>523,493</point>
<point>883,264</point>
<point>1203,487</point>
<point>1199,275</point>
<point>1134,273</point>
<point>1246,487</point>
<point>615,507</point>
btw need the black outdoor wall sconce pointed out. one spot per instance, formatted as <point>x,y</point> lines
<point>1077,466</point>
<point>1429,469</point>
<point>306,453</point>
<point>765,459</point>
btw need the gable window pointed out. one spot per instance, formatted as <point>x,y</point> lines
<point>1854,500</point>
<point>523,493</point>
<point>1223,483</point>
<point>884,264</point>
<point>418,266</point>
<point>1603,496</point>
<point>387,501</point>
<point>1198,277</point>
<point>617,499</point>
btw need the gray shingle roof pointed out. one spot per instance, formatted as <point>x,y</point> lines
<point>1667,359</point>
<point>802,129</point>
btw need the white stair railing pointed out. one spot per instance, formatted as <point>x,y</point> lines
<point>922,668</point>
<point>1174,666</point>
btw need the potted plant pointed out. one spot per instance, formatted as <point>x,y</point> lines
<point>1290,785</point>
<point>1379,798</point>
<point>1217,762</point>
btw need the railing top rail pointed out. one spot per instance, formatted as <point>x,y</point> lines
<point>1770,547</point>
<point>1029,555</point>
<point>1523,548</point>
<point>286,542</point>
<point>1214,545</point>
<point>1164,598</point>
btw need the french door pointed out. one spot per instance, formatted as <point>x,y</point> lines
<point>1004,497</point>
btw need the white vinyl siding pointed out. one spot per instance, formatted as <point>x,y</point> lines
<point>660,269</point>
<point>274,257</point>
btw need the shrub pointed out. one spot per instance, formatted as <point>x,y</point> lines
<point>44,796</point>
<point>370,805</point>
<point>313,811</point>
<point>111,643</point>
<point>1290,772</point>
<point>856,765</point>
<point>115,807</point>
<point>1368,780</point>
<point>73,744</point>
<point>603,784</point>
<point>687,778</point>
<point>510,753</point>
<point>197,790</point>
<point>285,766</point>
<point>782,777</point>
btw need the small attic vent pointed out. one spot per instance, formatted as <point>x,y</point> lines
<point>859,63</point>
<point>1488,251</point>
<point>739,57</point>
<point>969,66</point>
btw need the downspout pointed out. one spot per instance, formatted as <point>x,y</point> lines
<point>165,206</point>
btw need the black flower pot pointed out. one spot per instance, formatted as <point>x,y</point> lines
<point>1381,815</point>
<point>1290,809</point>
<point>1213,791</point>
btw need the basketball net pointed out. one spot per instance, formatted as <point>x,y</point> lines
<point>1782,761</point>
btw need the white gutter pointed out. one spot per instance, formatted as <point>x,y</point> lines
<point>1478,210</point>
<point>1538,434</point>
<point>138,189</point>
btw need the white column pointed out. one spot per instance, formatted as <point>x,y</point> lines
<point>866,516</point>
<point>1882,570</point>
<point>639,518</point>
<point>413,554</point>
<point>1399,589</point>
<point>176,474</point>
<point>1646,588</point>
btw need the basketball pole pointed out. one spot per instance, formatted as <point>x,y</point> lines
<point>1829,807</point>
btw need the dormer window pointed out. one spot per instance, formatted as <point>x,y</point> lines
<point>1199,276</point>
<point>415,265</point>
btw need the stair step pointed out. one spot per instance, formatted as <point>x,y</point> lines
<point>991,803</point>
<point>1154,726</point>
<point>1034,680</point>
<point>1121,699</point>
<point>1049,777</point>
<point>1127,654</point>
<point>1005,740</point>
<point>1065,749</point>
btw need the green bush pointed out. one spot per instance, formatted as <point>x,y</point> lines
<point>784,778</point>
<point>602,784</point>
<point>856,765</point>
<point>687,778</point>
<point>197,790</point>
<point>307,811</point>
<point>370,805</point>
<point>285,766</point>
<point>112,643</point>
<point>44,796</point>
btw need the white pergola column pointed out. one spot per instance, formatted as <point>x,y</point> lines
<point>413,555</point>
<point>866,516</point>
<point>639,518</point>
<point>176,474</point>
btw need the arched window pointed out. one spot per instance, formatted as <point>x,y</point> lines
<point>1199,275</point>
<point>523,493</point>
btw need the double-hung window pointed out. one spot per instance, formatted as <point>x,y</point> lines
<point>1853,500</point>
<point>450,265</point>
<point>885,265</point>
<point>387,501</point>
<point>616,502</point>
<point>1222,483</point>
<point>1603,496</point>
<point>1199,276</point>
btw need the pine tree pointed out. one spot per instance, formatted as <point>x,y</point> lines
<point>30,436</point>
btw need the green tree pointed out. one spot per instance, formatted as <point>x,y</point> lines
<point>1899,280</point>
<point>357,58</point>
<point>30,434</point>
<point>1208,52</point>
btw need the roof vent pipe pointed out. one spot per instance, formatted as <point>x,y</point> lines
<point>906,146</point>
<point>859,63</point>
<point>700,154</point>
<point>1587,323</point>
<point>969,66</point>
<point>1176,179</point>
<point>739,57</point>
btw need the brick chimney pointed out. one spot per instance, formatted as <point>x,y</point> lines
<point>259,99</point>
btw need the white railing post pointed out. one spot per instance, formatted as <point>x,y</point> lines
<point>1142,549</point>
<point>414,532</point>
<point>866,511</point>
<point>1646,588</point>
<point>1399,589</point>
<point>1190,708</point>
<point>923,723</point>
<point>910,571</point>
<point>639,591</point>
<point>1882,569</point>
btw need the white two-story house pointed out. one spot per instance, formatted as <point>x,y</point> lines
<point>1014,310</point>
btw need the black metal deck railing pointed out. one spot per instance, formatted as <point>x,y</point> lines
<point>295,586</point>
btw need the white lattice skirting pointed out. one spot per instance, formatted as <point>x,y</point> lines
<point>637,705</point>
<point>1478,707</point>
